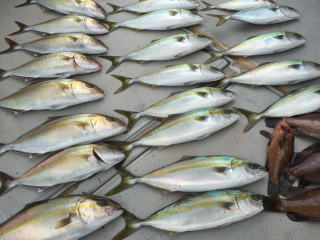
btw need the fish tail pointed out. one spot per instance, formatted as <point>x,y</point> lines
<point>224,83</point>
<point>3,75</point>
<point>115,8</point>
<point>208,6</point>
<point>22,28</point>
<point>222,18</point>
<point>272,204</point>
<point>5,183</point>
<point>111,26</point>
<point>215,55</point>
<point>126,82</point>
<point>252,117</point>
<point>28,2</point>
<point>127,180</point>
<point>131,116</point>
<point>132,225</point>
<point>115,60</point>
<point>12,45</point>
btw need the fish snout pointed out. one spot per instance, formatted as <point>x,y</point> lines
<point>295,38</point>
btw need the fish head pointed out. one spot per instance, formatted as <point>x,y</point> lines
<point>85,91</point>
<point>87,64</point>
<point>253,170</point>
<point>249,203</point>
<point>311,66</point>
<point>95,208</point>
<point>108,154</point>
<point>92,9</point>
<point>189,4</point>
<point>218,95</point>
<point>229,114</point>
<point>191,16</point>
<point>95,25</point>
<point>290,12</point>
<point>104,124</point>
<point>93,44</point>
<point>295,38</point>
<point>211,72</point>
<point>201,40</point>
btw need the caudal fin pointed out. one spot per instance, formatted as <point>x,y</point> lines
<point>131,116</point>
<point>115,8</point>
<point>252,117</point>
<point>28,2</point>
<point>22,28</point>
<point>5,181</point>
<point>127,181</point>
<point>126,82</point>
<point>3,75</point>
<point>12,45</point>
<point>222,18</point>
<point>111,26</point>
<point>215,55</point>
<point>208,6</point>
<point>115,61</point>
<point>132,225</point>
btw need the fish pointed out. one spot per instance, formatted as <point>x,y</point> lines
<point>300,101</point>
<point>70,165</point>
<point>66,218</point>
<point>277,73</point>
<point>54,65</point>
<point>199,212</point>
<point>168,48</point>
<point>307,125</point>
<point>197,174</point>
<point>82,7</point>
<point>261,15</point>
<point>65,131</point>
<point>51,95</point>
<point>269,43</point>
<point>173,76</point>
<point>238,5</point>
<point>203,97</point>
<point>190,126</point>
<point>71,42</point>
<point>66,24</point>
<point>161,20</point>
<point>147,6</point>
<point>279,154</point>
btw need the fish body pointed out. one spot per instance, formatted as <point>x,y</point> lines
<point>62,132</point>
<point>66,218</point>
<point>278,73</point>
<point>51,95</point>
<point>239,5</point>
<point>55,65</point>
<point>82,7</point>
<point>163,20</point>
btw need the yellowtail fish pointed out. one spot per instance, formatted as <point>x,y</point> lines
<point>186,101</point>
<point>66,218</point>
<point>55,65</point>
<point>70,165</point>
<point>61,132</point>
<point>238,5</point>
<point>261,15</point>
<point>164,49</point>
<point>199,212</point>
<point>197,174</point>
<point>72,42</point>
<point>51,95</point>
<point>298,102</point>
<point>146,6</point>
<point>190,126</point>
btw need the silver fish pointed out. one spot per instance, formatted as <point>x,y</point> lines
<point>66,218</point>
<point>51,95</point>
<point>55,65</point>
<point>197,174</point>
<point>238,5</point>
<point>146,6</point>
<point>261,15</point>
<point>298,102</point>
<point>82,7</point>
<point>204,97</point>
<point>277,73</point>
<point>72,42</point>
<point>66,24</point>
<point>164,49</point>
<point>161,20</point>
<point>264,44</point>
<point>199,212</point>
<point>61,132</point>
<point>70,165</point>
<point>190,126</point>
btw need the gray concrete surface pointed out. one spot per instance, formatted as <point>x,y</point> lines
<point>142,200</point>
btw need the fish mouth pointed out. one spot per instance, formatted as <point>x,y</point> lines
<point>295,37</point>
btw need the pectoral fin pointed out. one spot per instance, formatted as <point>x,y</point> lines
<point>64,222</point>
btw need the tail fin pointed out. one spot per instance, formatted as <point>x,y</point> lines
<point>3,75</point>
<point>222,18</point>
<point>208,6</point>
<point>5,181</point>
<point>272,204</point>
<point>28,2</point>
<point>127,180</point>
<point>131,116</point>
<point>22,28</point>
<point>224,83</point>
<point>111,26</point>
<point>215,55</point>
<point>132,225</point>
<point>126,82</point>
<point>12,45</point>
<point>252,117</point>
<point>116,61</point>
<point>115,8</point>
